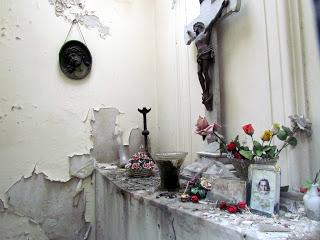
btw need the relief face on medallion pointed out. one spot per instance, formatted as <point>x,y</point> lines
<point>75,60</point>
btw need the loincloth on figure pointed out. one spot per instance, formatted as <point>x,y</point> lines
<point>207,54</point>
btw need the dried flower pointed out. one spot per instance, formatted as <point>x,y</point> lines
<point>301,123</point>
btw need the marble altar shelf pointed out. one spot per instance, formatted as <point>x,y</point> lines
<point>128,209</point>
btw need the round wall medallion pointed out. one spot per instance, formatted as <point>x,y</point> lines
<point>75,60</point>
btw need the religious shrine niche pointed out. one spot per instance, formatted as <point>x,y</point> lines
<point>201,32</point>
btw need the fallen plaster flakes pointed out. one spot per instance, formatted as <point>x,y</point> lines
<point>16,107</point>
<point>38,198</point>
<point>81,166</point>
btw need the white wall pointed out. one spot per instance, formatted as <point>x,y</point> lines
<point>50,126</point>
<point>264,64</point>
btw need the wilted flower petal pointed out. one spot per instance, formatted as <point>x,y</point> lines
<point>301,123</point>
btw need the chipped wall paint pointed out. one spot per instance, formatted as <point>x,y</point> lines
<point>70,9</point>
<point>42,113</point>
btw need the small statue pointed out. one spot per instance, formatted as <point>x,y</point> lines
<point>205,55</point>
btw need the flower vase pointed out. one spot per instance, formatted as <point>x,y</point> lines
<point>169,164</point>
<point>312,203</point>
<point>241,166</point>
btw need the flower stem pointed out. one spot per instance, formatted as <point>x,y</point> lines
<point>219,138</point>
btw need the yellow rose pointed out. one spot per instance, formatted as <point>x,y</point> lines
<point>266,136</point>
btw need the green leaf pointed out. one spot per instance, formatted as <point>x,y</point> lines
<point>202,193</point>
<point>246,154</point>
<point>282,135</point>
<point>194,190</point>
<point>292,141</point>
<point>223,147</point>
<point>287,130</point>
<point>257,145</point>
<point>266,148</point>
<point>259,153</point>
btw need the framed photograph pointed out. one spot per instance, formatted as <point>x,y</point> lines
<point>265,189</point>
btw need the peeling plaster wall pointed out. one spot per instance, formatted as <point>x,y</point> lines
<point>41,111</point>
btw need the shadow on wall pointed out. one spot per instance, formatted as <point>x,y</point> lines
<point>317,10</point>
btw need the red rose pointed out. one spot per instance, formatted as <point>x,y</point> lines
<point>248,129</point>
<point>242,205</point>
<point>194,199</point>
<point>303,189</point>
<point>231,146</point>
<point>232,209</point>
<point>223,205</point>
<point>237,155</point>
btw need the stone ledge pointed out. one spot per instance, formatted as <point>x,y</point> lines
<point>128,209</point>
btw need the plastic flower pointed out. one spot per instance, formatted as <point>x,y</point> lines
<point>275,128</point>
<point>266,136</point>
<point>194,199</point>
<point>205,184</point>
<point>241,205</point>
<point>135,166</point>
<point>232,209</point>
<point>223,205</point>
<point>248,129</point>
<point>231,146</point>
<point>237,155</point>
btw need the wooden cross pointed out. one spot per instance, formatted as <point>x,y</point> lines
<point>211,11</point>
<point>208,10</point>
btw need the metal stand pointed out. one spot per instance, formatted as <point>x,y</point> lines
<point>145,131</point>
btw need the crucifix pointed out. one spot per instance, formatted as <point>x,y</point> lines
<point>201,31</point>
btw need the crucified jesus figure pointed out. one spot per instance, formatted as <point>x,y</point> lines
<point>202,37</point>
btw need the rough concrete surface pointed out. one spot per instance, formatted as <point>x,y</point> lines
<point>15,227</point>
<point>51,205</point>
<point>126,212</point>
<point>104,143</point>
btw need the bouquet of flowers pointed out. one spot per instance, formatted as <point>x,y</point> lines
<point>261,148</point>
<point>140,165</point>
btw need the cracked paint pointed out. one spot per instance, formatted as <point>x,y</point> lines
<point>71,9</point>
<point>50,204</point>
<point>17,227</point>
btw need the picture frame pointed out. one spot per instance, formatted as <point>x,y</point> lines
<point>264,182</point>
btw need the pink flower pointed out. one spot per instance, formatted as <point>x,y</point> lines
<point>135,166</point>
<point>146,166</point>
<point>203,128</point>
